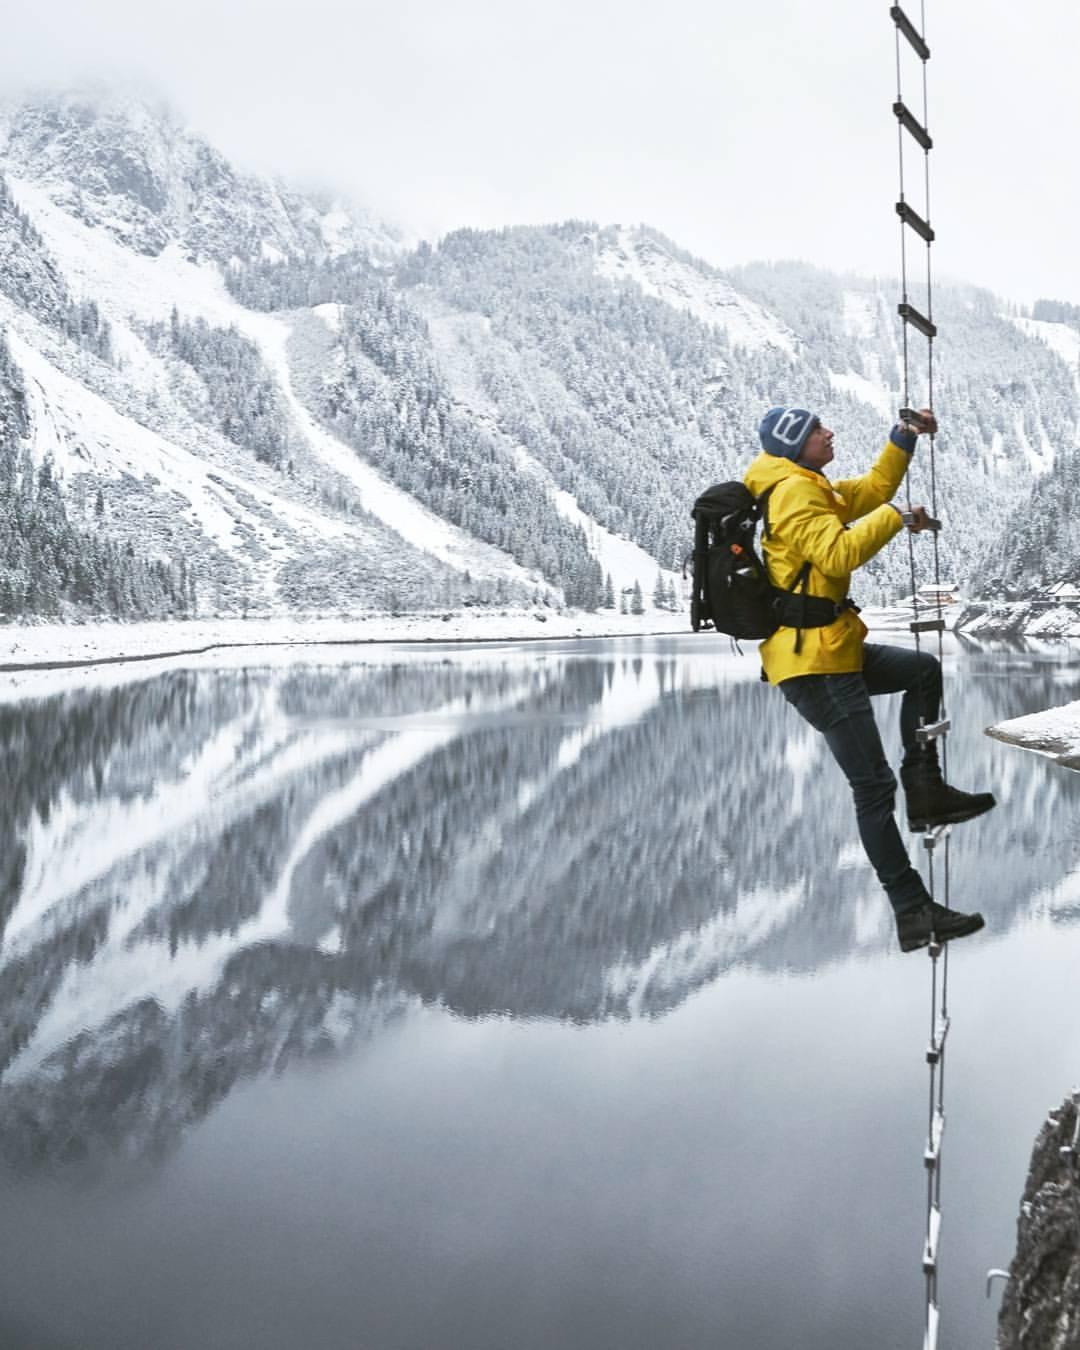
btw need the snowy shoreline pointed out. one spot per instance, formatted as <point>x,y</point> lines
<point>58,646</point>
<point>30,647</point>
<point>35,657</point>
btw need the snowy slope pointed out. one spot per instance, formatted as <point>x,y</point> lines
<point>858,386</point>
<point>605,407</point>
<point>460,341</point>
<point>1061,338</point>
<point>83,432</point>
<point>636,257</point>
<point>128,285</point>
<point>620,558</point>
<point>868,318</point>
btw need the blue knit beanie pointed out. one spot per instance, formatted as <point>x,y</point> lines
<point>783,431</point>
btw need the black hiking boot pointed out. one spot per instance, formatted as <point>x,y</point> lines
<point>916,927</point>
<point>931,801</point>
<point>939,804</point>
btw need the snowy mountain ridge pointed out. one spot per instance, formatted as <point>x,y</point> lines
<point>133,169</point>
<point>87,436</point>
<point>268,396</point>
<point>637,257</point>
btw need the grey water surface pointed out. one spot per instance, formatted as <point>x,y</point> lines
<point>505,998</point>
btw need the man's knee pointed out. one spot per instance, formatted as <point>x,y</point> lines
<point>930,677</point>
<point>874,790</point>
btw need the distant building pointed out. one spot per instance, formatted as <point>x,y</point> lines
<point>1062,590</point>
<point>936,593</point>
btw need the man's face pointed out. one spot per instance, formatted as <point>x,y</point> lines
<point>817,448</point>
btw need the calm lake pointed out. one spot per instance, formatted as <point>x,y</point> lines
<point>505,997</point>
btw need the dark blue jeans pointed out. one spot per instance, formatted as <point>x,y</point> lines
<point>839,707</point>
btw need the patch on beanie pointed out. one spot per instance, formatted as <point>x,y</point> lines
<point>783,431</point>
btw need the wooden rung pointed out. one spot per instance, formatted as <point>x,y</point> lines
<point>910,124</point>
<point>927,626</point>
<point>929,1258</point>
<point>935,835</point>
<point>930,1339</point>
<point>909,217</point>
<point>910,32</point>
<point>932,1152</point>
<point>931,731</point>
<point>911,315</point>
<point>937,1043</point>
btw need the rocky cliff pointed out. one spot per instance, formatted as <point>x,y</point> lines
<point>1041,1307</point>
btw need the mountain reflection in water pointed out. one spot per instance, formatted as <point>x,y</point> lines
<point>207,874</point>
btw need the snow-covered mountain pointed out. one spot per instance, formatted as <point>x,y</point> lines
<point>221,395</point>
<point>135,171</point>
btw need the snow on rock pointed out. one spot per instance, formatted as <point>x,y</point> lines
<point>635,257</point>
<point>1056,621</point>
<point>1043,1287</point>
<point>1054,733</point>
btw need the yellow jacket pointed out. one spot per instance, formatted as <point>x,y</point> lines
<point>810,520</point>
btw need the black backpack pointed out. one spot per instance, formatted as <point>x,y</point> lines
<point>731,588</point>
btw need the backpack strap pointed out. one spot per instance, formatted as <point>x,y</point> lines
<point>801,582</point>
<point>762,505</point>
<point>699,604</point>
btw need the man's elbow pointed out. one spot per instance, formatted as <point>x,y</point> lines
<point>842,566</point>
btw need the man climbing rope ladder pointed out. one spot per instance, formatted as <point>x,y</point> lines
<point>817,534</point>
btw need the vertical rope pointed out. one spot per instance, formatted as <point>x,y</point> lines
<point>939,958</point>
<point>905,354</point>
<point>939,615</point>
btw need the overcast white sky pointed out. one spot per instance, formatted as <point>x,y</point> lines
<point>746,129</point>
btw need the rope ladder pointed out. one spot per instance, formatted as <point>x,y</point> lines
<point>917,321</point>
